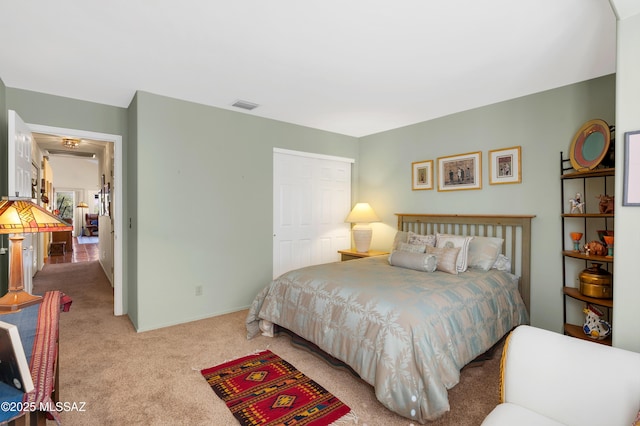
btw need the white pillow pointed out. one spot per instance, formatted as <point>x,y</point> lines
<point>417,261</point>
<point>459,241</point>
<point>483,252</point>
<point>427,240</point>
<point>445,258</point>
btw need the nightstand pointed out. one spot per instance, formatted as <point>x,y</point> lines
<point>351,254</point>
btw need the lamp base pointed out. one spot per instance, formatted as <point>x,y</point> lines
<point>14,301</point>
<point>362,237</point>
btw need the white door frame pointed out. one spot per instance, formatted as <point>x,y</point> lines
<point>118,296</point>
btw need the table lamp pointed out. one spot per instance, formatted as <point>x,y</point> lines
<point>362,214</point>
<point>18,216</point>
<point>82,205</point>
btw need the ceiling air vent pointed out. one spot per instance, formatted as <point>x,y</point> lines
<point>245,105</point>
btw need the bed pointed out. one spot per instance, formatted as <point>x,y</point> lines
<point>408,331</point>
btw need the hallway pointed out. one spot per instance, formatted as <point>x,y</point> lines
<point>80,253</point>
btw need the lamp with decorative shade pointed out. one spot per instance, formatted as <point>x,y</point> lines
<point>82,205</point>
<point>362,215</point>
<point>19,216</point>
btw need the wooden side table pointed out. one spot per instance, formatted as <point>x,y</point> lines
<point>351,254</point>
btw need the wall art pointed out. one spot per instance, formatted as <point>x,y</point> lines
<point>463,171</point>
<point>505,166</point>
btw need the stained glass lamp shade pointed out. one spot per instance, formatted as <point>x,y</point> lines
<point>18,216</point>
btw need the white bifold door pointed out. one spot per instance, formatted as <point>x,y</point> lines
<point>311,199</point>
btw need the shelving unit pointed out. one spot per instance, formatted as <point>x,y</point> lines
<point>584,222</point>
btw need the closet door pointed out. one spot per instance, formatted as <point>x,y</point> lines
<point>311,199</point>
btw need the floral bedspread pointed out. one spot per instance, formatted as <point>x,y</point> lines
<point>407,333</point>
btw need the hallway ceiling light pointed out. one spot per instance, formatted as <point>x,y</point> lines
<point>70,143</point>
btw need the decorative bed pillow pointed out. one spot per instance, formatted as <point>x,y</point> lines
<point>445,258</point>
<point>401,237</point>
<point>413,248</point>
<point>503,263</point>
<point>459,241</point>
<point>410,260</point>
<point>483,252</point>
<point>426,240</point>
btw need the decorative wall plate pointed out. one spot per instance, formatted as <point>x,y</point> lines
<point>590,145</point>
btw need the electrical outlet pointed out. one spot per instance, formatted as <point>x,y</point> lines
<point>198,290</point>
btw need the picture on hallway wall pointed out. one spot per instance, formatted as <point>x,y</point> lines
<point>462,171</point>
<point>105,198</point>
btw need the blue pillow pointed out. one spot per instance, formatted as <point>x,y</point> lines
<point>94,222</point>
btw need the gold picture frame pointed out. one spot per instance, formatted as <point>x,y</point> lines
<point>422,175</point>
<point>459,172</point>
<point>505,166</point>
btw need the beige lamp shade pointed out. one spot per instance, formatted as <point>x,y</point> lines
<point>362,214</point>
<point>18,216</point>
<point>82,205</point>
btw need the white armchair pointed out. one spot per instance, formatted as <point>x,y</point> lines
<point>551,379</point>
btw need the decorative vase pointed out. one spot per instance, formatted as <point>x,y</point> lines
<point>608,239</point>
<point>594,326</point>
<point>602,232</point>
<point>576,237</point>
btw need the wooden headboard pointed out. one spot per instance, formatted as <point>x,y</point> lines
<point>514,229</point>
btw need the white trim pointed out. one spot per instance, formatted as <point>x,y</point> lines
<point>313,155</point>
<point>118,217</point>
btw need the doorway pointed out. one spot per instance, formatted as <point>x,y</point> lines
<point>116,200</point>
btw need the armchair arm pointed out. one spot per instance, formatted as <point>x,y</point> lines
<point>570,380</point>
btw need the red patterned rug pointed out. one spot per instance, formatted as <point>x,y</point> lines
<point>264,389</point>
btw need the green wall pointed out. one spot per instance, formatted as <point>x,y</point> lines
<point>207,173</point>
<point>543,124</point>
<point>131,202</point>
<point>204,205</point>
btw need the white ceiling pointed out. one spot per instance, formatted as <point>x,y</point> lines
<point>354,67</point>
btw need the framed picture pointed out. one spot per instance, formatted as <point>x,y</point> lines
<point>505,166</point>
<point>422,175</point>
<point>631,189</point>
<point>463,171</point>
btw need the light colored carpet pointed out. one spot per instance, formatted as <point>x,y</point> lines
<point>153,378</point>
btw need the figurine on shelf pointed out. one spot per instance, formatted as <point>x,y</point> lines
<point>594,326</point>
<point>577,205</point>
<point>606,203</point>
<point>595,248</point>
